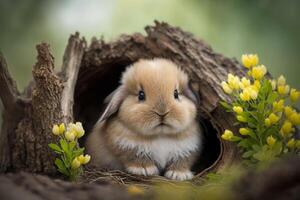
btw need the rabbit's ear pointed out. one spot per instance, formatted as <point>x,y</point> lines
<point>190,92</point>
<point>114,101</point>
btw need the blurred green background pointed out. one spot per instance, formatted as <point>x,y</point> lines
<point>270,28</point>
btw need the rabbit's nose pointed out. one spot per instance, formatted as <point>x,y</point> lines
<point>162,115</point>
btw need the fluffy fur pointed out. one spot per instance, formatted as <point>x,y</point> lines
<point>146,137</point>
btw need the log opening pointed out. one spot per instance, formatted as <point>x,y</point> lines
<point>93,88</point>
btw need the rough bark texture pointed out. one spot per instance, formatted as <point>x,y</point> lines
<point>89,74</point>
<point>12,112</point>
<point>47,100</point>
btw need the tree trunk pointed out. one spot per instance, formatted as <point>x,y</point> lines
<point>88,75</point>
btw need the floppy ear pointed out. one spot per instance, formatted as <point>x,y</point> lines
<point>190,92</point>
<point>114,101</point>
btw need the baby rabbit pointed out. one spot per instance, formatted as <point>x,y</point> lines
<point>149,125</point>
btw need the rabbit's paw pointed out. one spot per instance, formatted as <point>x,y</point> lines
<point>143,170</point>
<point>179,175</point>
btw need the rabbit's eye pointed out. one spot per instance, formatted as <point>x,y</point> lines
<point>142,95</point>
<point>176,95</point>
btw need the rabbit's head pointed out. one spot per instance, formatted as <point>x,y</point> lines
<point>154,98</point>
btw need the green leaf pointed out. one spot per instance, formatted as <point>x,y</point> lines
<point>67,161</point>
<point>256,147</point>
<point>277,148</point>
<point>252,135</point>
<point>247,154</point>
<point>61,167</point>
<point>64,172</point>
<point>244,143</point>
<point>64,145</point>
<point>78,152</point>
<point>272,97</point>
<point>55,147</point>
<point>226,105</point>
<point>72,145</point>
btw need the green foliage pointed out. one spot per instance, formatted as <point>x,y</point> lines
<point>70,157</point>
<point>267,126</point>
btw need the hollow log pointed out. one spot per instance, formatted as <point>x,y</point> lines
<point>89,74</point>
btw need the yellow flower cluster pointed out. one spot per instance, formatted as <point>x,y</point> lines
<point>258,72</point>
<point>260,108</point>
<point>271,140</point>
<point>227,135</point>
<point>250,60</point>
<point>294,95</point>
<point>74,130</point>
<point>247,90</point>
<point>272,119</point>
<point>244,131</point>
<point>284,89</point>
<point>278,105</point>
<point>58,129</point>
<point>80,160</point>
<point>238,109</point>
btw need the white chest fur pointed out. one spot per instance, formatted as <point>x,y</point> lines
<point>162,150</point>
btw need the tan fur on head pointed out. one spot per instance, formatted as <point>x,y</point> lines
<point>158,78</point>
<point>157,131</point>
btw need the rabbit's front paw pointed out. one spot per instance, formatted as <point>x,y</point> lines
<point>146,171</point>
<point>179,175</point>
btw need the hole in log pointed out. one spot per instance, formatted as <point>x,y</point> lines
<point>96,82</point>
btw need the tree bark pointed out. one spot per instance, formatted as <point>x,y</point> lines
<point>49,101</point>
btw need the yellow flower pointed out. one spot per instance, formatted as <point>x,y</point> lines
<point>273,118</point>
<point>294,95</point>
<point>273,84</point>
<point>135,190</point>
<point>258,72</point>
<point>291,143</point>
<point>244,83</point>
<point>271,141</point>
<point>278,105</point>
<point>70,135</point>
<point>87,158</point>
<point>238,109</point>
<point>58,129</point>
<point>295,118</point>
<point>286,128</point>
<point>267,122</point>
<point>241,118</point>
<point>55,130</point>
<point>288,111</point>
<point>77,129</point>
<point>253,93</point>
<point>249,60</point>
<point>256,85</point>
<point>62,128</point>
<point>283,89</point>
<point>244,131</point>
<point>281,80</point>
<point>233,82</point>
<point>227,135</point>
<point>245,95</point>
<point>226,88</point>
<point>75,163</point>
<point>84,159</point>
